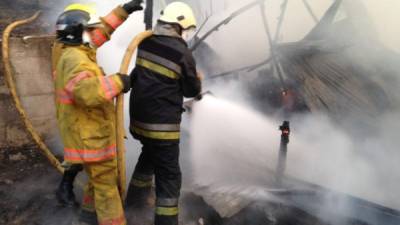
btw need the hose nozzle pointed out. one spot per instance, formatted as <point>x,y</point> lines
<point>200,96</point>
<point>188,105</point>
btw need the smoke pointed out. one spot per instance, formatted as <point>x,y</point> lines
<point>237,147</point>
<point>321,152</point>
<point>325,154</point>
<point>233,145</point>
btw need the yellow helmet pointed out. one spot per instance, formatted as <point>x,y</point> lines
<point>88,8</point>
<point>179,13</point>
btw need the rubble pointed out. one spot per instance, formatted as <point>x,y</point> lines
<point>17,157</point>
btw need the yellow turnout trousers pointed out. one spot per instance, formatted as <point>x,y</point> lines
<point>101,195</point>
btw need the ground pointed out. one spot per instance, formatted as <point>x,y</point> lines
<point>27,184</point>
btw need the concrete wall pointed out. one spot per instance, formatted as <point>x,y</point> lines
<point>12,10</point>
<point>31,63</point>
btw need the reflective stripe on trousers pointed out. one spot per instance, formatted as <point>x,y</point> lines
<point>167,211</point>
<point>167,206</point>
<point>157,127</point>
<point>142,180</point>
<point>89,155</point>
<point>160,135</point>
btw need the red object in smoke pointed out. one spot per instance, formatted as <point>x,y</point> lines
<point>288,100</point>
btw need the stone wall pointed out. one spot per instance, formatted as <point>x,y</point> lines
<point>31,63</point>
<point>12,133</point>
<point>32,70</point>
<point>12,10</point>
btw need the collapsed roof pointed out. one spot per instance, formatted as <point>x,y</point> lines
<point>340,66</point>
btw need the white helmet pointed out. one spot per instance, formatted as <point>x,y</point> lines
<point>179,13</point>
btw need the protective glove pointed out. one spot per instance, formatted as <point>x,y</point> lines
<point>126,81</point>
<point>132,6</point>
<point>200,76</point>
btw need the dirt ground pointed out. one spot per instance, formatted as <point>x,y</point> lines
<point>27,185</point>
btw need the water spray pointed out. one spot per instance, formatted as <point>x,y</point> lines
<point>188,105</point>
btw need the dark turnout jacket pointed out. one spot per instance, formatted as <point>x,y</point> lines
<point>165,72</point>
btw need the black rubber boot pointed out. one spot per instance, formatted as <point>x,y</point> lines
<point>65,192</point>
<point>87,218</point>
<point>139,205</point>
<point>138,198</point>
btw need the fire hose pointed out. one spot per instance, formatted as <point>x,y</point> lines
<point>12,88</point>
<point>120,112</point>
<point>28,124</point>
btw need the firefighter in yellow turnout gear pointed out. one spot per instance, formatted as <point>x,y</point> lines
<point>85,107</point>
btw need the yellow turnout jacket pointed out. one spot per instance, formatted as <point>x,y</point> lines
<point>85,107</point>
<point>84,97</point>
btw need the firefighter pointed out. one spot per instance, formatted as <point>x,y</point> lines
<point>86,112</point>
<point>165,72</point>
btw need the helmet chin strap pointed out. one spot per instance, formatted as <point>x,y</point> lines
<point>87,40</point>
<point>188,34</point>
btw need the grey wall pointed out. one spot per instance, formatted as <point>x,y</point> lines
<point>31,63</point>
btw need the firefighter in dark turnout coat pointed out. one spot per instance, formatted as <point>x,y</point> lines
<point>165,73</point>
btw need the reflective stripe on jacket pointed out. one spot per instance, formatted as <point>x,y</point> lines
<point>110,23</point>
<point>85,108</point>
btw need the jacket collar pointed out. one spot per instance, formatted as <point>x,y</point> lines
<point>164,29</point>
<point>92,53</point>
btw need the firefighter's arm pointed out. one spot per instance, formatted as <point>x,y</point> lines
<point>89,89</point>
<point>113,20</point>
<point>191,83</point>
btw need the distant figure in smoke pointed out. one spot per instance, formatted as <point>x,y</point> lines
<point>165,72</point>
<point>86,112</point>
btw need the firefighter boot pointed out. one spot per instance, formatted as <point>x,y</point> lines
<point>65,193</point>
<point>140,197</point>
<point>140,203</point>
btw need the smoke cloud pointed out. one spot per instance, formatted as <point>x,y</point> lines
<point>231,145</point>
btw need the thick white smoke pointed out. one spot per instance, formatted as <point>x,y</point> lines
<point>231,145</point>
<point>238,146</point>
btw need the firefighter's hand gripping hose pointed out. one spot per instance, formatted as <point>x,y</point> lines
<point>120,112</point>
<point>188,105</point>
<point>12,87</point>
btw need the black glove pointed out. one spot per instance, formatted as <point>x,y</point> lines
<point>126,81</point>
<point>132,6</point>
